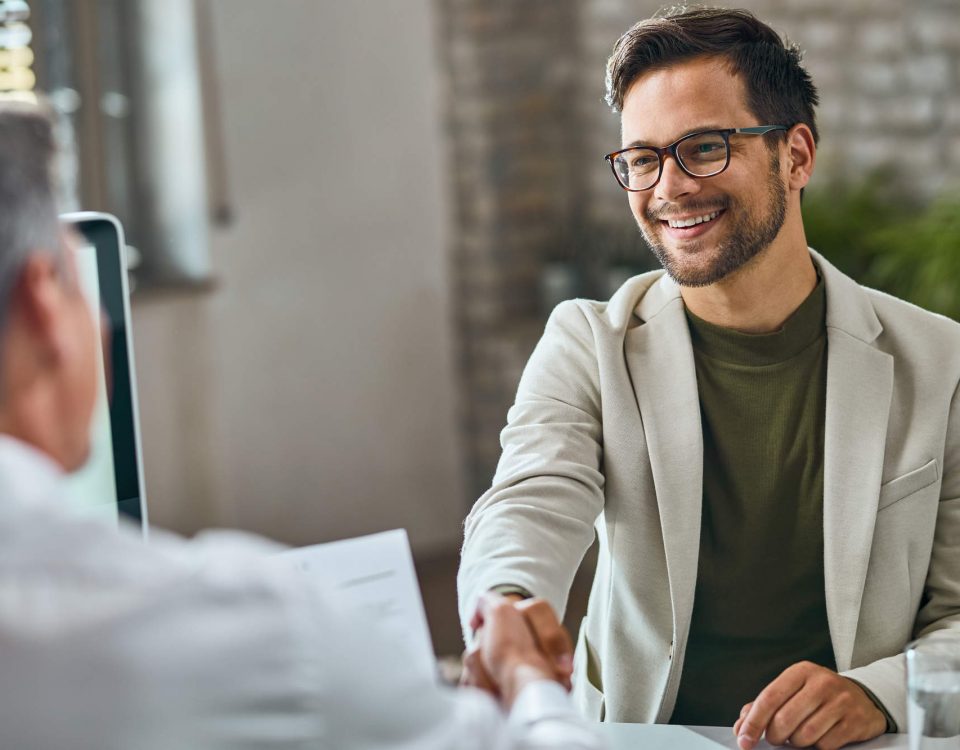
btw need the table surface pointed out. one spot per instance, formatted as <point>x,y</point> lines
<point>666,737</point>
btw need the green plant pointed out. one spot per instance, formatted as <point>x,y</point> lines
<point>919,258</point>
<point>886,242</point>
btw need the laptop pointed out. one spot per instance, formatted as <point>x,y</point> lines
<point>110,485</point>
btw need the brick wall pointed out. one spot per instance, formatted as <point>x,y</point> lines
<point>538,215</point>
<point>511,77</point>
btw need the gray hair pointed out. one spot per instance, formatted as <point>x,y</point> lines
<point>28,203</point>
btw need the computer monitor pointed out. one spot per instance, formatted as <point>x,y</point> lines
<point>110,484</point>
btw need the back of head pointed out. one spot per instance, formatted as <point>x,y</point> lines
<point>28,205</point>
<point>779,90</point>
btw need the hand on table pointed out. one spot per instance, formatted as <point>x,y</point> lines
<point>516,642</point>
<point>809,705</point>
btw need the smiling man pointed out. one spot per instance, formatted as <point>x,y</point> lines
<point>768,453</point>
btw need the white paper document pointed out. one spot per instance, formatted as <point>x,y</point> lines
<point>375,576</point>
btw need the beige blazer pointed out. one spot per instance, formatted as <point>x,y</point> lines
<point>605,437</point>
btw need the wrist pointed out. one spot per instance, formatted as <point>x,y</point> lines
<point>520,673</point>
<point>882,721</point>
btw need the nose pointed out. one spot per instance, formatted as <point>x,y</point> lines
<point>674,182</point>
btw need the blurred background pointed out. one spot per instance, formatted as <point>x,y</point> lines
<point>349,221</point>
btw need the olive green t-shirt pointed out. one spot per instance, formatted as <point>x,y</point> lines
<point>759,604</point>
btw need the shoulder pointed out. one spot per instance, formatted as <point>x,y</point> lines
<point>899,315</point>
<point>648,291</point>
<point>44,539</point>
<point>893,325</point>
<point>579,336</point>
<point>925,346</point>
<point>920,341</point>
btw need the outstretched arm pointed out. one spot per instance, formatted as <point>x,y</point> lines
<point>532,528</point>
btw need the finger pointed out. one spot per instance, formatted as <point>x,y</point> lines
<point>816,728</point>
<point>771,698</point>
<point>739,721</point>
<point>483,605</point>
<point>837,736</point>
<point>551,637</point>
<point>469,674</point>
<point>491,608</point>
<point>549,634</point>
<point>841,719</point>
<point>475,675</point>
<point>792,715</point>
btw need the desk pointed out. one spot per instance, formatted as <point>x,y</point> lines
<point>666,737</point>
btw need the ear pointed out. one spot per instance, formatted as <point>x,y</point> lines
<point>802,153</point>
<point>38,300</point>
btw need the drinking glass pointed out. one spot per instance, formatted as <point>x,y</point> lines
<point>933,693</point>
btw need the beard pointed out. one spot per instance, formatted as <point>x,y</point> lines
<point>751,234</point>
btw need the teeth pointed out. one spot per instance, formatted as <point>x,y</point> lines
<point>691,222</point>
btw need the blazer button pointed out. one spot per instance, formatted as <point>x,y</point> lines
<point>670,654</point>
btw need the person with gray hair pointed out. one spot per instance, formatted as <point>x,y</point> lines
<point>108,642</point>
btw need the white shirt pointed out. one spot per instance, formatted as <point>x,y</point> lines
<point>107,642</point>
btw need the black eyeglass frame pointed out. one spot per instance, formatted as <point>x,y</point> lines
<point>662,152</point>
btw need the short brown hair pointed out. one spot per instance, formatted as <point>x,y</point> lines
<point>779,90</point>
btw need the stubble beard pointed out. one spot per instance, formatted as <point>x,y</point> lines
<point>745,241</point>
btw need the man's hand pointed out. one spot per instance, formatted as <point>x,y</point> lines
<point>551,637</point>
<point>473,674</point>
<point>809,705</point>
<point>516,642</point>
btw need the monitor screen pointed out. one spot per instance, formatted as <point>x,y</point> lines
<point>110,483</point>
<point>92,489</point>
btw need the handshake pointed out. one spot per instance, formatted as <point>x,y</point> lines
<point>516,642</point>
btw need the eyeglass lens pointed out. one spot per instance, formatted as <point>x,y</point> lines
<point>701,155</point>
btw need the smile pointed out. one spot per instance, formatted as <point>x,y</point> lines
<point>694,220</point>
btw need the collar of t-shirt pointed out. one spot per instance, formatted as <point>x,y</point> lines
<point>805,325</point>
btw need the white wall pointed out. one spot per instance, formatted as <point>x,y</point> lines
<point>311,396</point>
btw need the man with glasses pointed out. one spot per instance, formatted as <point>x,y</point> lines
<point>768,453</point>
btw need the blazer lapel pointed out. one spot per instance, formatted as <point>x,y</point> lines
<point>660,360</point>
<point>859,390</point>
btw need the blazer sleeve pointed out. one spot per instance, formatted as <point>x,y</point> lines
<point>939,614</point>
<point>531,529</point>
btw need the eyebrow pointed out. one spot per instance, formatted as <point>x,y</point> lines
<point>698,129</point>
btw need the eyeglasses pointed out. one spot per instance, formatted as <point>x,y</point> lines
<point>703,154</point>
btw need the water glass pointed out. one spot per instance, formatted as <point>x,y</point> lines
<point>933,693</point>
